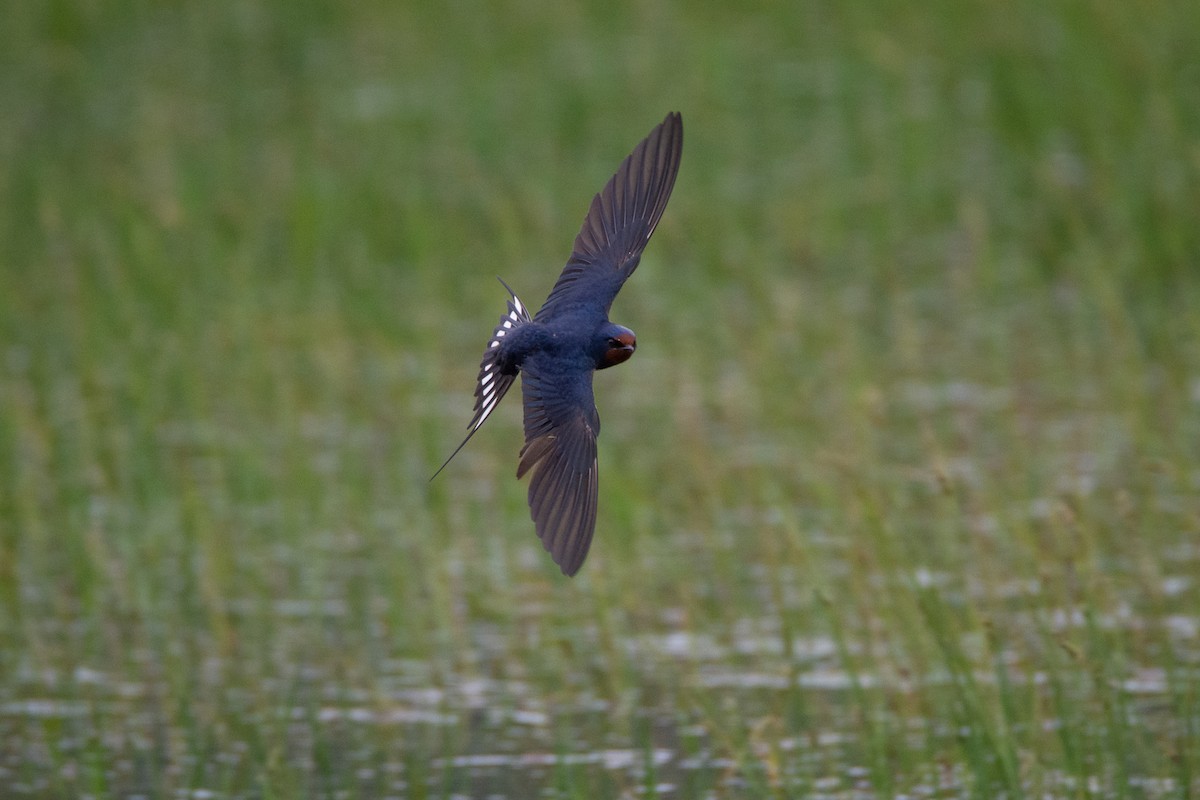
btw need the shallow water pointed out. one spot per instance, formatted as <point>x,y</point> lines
<point>413,726</point>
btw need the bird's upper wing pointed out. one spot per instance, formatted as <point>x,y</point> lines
<point>561,424</point>
<point>619,223</point>
<point>491,385</point>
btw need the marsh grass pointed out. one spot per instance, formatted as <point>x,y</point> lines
<point>901,495</point>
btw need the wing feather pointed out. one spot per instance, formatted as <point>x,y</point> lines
<point>561,425</point>
<point>619,223</point>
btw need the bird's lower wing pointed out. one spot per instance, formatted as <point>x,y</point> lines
<point>561,425</point>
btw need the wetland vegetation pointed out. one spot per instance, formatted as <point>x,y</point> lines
<point>900,495</point>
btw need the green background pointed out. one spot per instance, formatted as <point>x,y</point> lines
<point>899,496</point>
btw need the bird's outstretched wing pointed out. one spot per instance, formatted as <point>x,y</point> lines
<point>491,385</point>
<point>561,424</point>
<point>619,223</point>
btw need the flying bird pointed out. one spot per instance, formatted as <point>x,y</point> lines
<point>557,350</point>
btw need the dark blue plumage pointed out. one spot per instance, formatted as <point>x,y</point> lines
<point>570,337</point>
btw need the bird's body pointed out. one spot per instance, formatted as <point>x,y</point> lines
<point>571,337</point>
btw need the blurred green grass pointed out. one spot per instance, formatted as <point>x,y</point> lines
<point>900,495</point>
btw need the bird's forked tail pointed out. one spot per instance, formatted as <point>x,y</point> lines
<point>491,384</point>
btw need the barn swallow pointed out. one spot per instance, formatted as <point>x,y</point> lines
<point>570,337</point>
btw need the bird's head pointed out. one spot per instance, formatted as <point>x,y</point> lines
<point>615,345</point>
